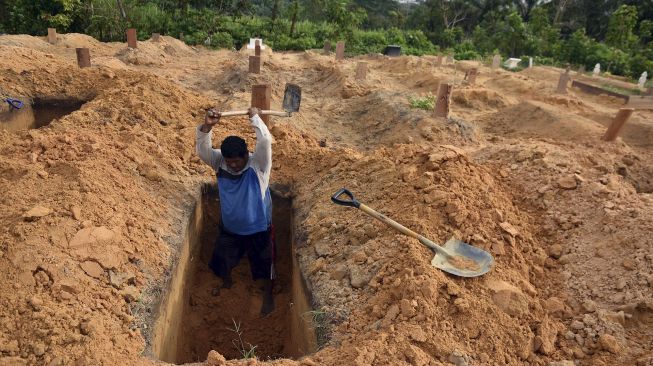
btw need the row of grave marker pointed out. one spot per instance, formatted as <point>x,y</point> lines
<point>633,103</point>
<point>443,98</point>
<point>84,54</point>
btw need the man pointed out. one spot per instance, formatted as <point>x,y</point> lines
<point>245,203</point>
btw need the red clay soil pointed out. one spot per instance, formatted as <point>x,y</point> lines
<point>95,208</point>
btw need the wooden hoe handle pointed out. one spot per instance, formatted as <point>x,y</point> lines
<point>263,112</point>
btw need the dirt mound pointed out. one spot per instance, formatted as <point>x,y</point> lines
<point>480,99</point>
<point>530,119</point>
<point>76,40</point>
<point>21,40</point>
<point>401,64</point>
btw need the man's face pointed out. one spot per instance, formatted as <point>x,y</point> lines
<point>236,164</point>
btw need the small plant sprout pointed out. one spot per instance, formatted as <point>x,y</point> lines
<point>239,344</point>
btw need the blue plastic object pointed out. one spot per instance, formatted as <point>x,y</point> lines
<point>15,103</point>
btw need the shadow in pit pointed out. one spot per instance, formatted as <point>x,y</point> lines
<point>192,321</point>
<point>37,113</point>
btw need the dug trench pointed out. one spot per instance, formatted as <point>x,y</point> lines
<point>37,113</point>
<point>193,319</point>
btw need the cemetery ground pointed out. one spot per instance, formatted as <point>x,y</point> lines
<point>108,213</point>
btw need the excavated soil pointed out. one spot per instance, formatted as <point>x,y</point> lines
<point>100,208</point>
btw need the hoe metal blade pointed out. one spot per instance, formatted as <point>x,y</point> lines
<point>292,98</point>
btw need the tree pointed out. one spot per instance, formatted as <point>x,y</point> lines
<point>621,28</point>
<point>545,37</point>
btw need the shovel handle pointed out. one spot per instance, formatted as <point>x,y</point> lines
<point>353,202</point>
<point>263,113</point>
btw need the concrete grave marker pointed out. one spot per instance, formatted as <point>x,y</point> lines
<point>52,35</point>
<point>443,100</point>
<point>597,70</point>
<point>252,43</point>
<point>340,50</point>
<point>131,38</point>
<point>361,71</point>
<point>581,69</point>
<point>261,95</point>
<point>327,47</point>
<point>496,62</point>
<point>255,64</point>
<point>512,62</point>
<point>156,37</point>
<point>439,63</point>
<point>83,57</point>
<point>450,59</point>
<point>642,80</point>
<point>530,62</point>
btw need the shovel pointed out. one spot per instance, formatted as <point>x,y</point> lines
<point>455,257</point>
<point>292,97</point>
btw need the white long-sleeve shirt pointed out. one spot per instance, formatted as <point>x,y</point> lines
<point>260,160</point>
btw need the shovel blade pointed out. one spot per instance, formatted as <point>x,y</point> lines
<point>292,98</point>
<point>465,260</point>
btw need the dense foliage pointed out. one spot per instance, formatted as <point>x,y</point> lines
<point>616,33</point>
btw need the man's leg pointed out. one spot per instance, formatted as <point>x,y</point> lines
<point>261,255</point>
<point>226,255</point>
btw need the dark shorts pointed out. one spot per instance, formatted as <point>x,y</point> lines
<point>230,248</point>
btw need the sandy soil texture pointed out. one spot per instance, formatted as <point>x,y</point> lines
<point>99,205</point>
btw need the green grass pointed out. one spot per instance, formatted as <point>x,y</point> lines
<point>426,103</point>
<point>620,90</point>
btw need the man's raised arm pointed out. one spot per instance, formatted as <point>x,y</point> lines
<point>203,144</point>
<point>263,152</point>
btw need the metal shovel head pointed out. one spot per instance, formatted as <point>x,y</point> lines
<point>465,260</point>
<point>292,97</point>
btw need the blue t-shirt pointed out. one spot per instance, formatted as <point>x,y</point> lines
<point>244,209</point>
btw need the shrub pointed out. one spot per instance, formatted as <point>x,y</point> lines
<point>222,40</point>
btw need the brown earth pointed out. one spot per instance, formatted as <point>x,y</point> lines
<point>95,208</point>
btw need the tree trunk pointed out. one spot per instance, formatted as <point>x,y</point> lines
<point>275,10</point>
<point>122,10</point>
<point>294,17</point>
<point>559,10</point>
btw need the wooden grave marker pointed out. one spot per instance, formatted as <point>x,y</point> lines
<point>83,57</point>
<point>562,82</point>
<point>617,123</point>
<point>257,48</point>
<point>131,38</point>
<point>327,47</point>
<point>255,64</point>
<point>443,100</point>
<point>439,62</point>
<point>361,71</point>
<point>470,76</point>
<point>52,35</point>
<point>340,50</point>
<point>261,95</point>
